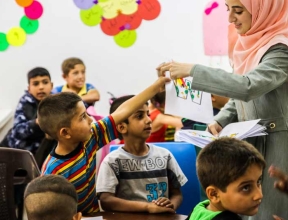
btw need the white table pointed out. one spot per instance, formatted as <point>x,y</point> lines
<point>5,116</point>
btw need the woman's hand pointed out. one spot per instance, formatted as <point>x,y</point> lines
<point>214,128</point>
<point>177,70</point>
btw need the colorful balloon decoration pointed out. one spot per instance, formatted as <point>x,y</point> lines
<point>118,18</point>
<point>28,24</point>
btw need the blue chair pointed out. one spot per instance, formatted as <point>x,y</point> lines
<point>185,155</point>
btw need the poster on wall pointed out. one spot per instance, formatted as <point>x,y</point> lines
<point>118,18</point>
<point>183,101</point>
<point>215,28</point>
<point>29,24</point>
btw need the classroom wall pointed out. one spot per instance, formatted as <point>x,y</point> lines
<point>176,34</point>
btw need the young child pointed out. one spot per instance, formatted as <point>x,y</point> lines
<point>26,133</point>
<point>63,116</point>
<point>139,177</point>
<point>230,172</point>
<point>51,197</point>
<point>163,126</point>
<point>73,70</point>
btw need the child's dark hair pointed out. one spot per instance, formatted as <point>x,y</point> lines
<point>56,111</point>
<point>50,197</point>
<point>224,160</point>
<point>38,71</point>
<point>70,63</point>
<point>116,103</point>
<point>119,101</point>
<point>159,100</point>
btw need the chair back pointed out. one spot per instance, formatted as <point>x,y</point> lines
<point>91,111</point>
<point>185,155</point>
<point>17,168</point>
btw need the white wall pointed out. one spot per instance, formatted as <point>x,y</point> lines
<point>176,33</point>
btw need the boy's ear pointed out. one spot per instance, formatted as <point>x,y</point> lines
<point>77,216</point>
<point>122,128</point>
<point>63,76</point>
<point>28,88</point>
<point>213,195</point>
<point>64,133</point>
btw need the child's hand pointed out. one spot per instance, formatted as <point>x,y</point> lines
<point>275,217</point>
<point>161,81</point>
<point>153,208</point>
<point>164,202</point>
<point>282,178</point>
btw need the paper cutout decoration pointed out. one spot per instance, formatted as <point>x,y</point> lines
<point>24,3</point>
<point>183,101</point>
<point>34,11</point>
<point>3,42</point>
<point>84,4</point>
<point>92,16</point>
<point>125,38</point>
<point>118,18</point>
<point>29,24</point>
<point>215,28</point>
<point>16,36</point>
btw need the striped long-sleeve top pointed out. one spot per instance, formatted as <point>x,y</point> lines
<point>79,166</point>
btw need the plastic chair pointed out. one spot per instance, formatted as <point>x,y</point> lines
<point>185,155</point>
<point>17,169</point>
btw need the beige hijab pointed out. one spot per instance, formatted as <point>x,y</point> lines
<point>269,27</point>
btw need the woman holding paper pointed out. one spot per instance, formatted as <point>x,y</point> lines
<point>259,87</point>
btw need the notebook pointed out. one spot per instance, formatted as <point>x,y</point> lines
<point>240,130</point>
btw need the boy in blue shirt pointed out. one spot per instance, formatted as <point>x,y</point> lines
<point>26,133</point>
<point>74,73</point>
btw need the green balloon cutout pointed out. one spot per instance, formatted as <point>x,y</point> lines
<point>28,25</point>
<point>92,16</point>
<point>126,38</point>
<point>3,42</point>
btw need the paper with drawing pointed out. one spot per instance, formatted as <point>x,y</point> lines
<point>183,101</point>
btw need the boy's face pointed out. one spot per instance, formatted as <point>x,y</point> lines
<point>243,196</point>
<point>76,77</point>
<point>140,124</point>
<point>80,129</point>
<point>40,87</point>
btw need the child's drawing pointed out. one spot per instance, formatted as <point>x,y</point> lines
<point>183,101</point>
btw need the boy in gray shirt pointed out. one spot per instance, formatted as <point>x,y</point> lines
<point>138,177</point>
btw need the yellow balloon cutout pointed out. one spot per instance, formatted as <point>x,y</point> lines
<point>92,16</point>
<point>125,38</point>
<point>16,36</point>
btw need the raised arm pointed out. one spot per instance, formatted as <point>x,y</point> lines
<point>131,105</point>
<point>271,72</point>
<point>163,119</point>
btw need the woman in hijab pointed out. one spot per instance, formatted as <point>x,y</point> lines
<point>258,51</point>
